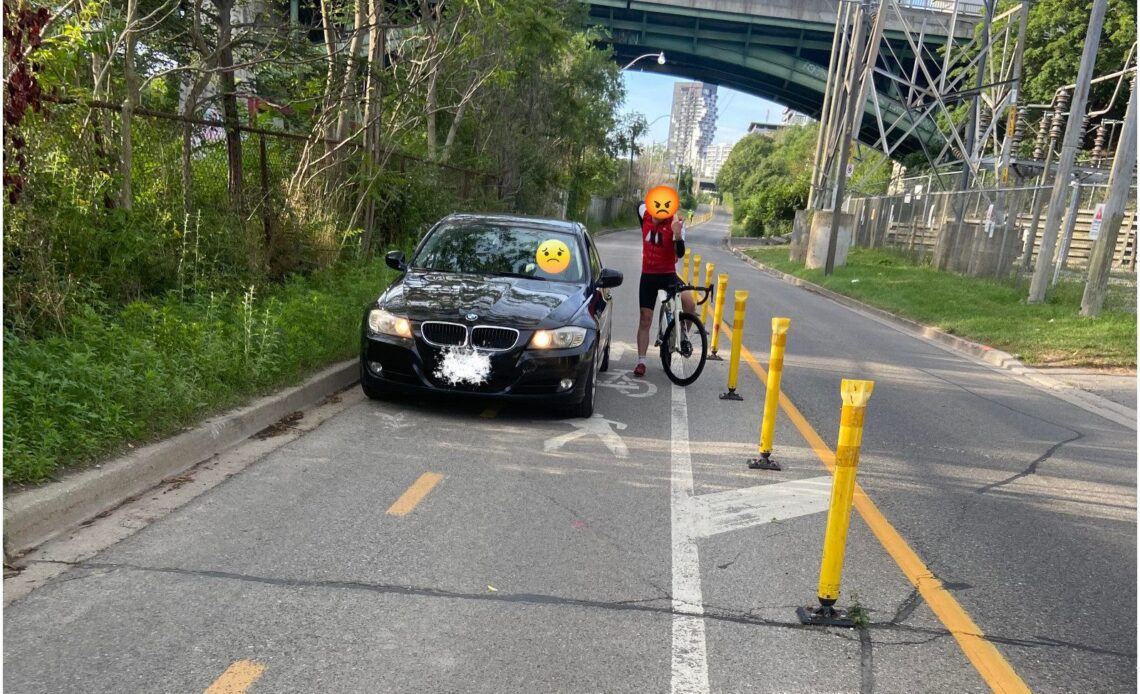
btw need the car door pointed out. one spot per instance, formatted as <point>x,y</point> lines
<point>602,299</point>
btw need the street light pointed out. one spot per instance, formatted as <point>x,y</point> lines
<point>660,59</point>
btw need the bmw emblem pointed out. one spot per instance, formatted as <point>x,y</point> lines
<point>471,317</point>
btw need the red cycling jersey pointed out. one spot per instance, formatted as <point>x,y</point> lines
<point>658,255</point>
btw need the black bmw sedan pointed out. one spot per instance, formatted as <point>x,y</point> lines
<point>499,306</point>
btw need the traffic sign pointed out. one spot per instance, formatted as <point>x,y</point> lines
<point>1098,218</point>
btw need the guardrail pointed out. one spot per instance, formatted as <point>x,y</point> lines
<point>975,9</point>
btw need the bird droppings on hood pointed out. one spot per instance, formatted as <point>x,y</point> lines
<point>460,365</point>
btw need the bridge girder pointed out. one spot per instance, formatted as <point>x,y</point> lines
<point>780,59</point>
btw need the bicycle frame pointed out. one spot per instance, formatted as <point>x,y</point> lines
<point>672,307</point>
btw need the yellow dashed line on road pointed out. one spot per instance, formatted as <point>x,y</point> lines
<point>414,494</point>
<point>986,658</point>
<point>237,678</point>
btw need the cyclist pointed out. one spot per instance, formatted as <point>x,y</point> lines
<point>662,244</point>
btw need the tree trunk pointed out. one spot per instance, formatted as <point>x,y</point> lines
<point>347,87</point>
<point>189,109</point>
<point>373,94</point>
<point>330,55</point>
<point>126,198</point>
<point>101,129</point>
<point>229,102</point>
<point>430,114</point>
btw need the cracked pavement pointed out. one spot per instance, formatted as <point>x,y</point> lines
<point>531,570</point>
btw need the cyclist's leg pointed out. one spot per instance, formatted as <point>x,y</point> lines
<point>689,305</point>
<point>688,302</point>
<point>647,300</point>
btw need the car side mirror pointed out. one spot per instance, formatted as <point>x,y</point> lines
<point>609,278</point>
<point>395,260</point>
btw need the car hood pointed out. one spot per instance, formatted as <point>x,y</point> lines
<point>513,301</point>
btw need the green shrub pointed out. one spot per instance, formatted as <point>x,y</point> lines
<point>156,365</point>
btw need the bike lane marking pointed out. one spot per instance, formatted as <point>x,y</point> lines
<point>237,678</point>
<point>689,660</point>
<point>414,494</point>
<point>983,655</point>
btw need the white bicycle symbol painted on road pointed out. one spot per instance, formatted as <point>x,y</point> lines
<point>623,382</point>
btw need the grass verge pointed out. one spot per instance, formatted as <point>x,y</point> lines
<point>118,379</point>
<point>993,313</point>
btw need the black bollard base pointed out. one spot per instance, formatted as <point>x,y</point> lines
<point>764,462</point>
<point>714,357</point>
<point>824,616</point>
<point>730,395</point>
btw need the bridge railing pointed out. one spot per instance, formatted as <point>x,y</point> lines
<point>965,7</point>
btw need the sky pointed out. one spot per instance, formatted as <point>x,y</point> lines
<point>651,94</point>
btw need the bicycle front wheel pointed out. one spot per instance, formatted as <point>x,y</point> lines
<point>684,366</point>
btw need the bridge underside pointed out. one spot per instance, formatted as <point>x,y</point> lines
<point>781,59</point>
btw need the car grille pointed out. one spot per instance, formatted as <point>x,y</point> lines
<point>486,337</point>
<point>444,334</point>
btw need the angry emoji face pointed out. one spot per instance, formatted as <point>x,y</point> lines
<point>662,202</point>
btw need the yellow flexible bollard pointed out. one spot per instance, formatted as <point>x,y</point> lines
<point>741,297</point>
<point>696,270</point>
<point>772,396</point>
<point>718,314</point>
<point>709,267</point>
<point>685,266</point>
<point>855,397</point>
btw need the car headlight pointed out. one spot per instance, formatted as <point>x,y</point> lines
<point>380,321</point>
<point>562,338</point>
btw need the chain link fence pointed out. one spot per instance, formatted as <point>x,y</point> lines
<point>964,230</point>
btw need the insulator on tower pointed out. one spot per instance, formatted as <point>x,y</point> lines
<point>1019,127</point>
<point>1042,133</point>
<point>1099,145</point>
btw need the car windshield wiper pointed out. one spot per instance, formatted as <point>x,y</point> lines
<point>518,274</point>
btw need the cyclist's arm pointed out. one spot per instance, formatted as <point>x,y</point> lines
<point>679,237</point>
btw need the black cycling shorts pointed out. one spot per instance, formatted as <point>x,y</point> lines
<point>653,283</point>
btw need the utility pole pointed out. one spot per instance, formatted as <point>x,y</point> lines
<point>850,120</point>
<point>1073,131</point>
<point>1004,215</point>
<point>828,96</point>
<point>1011,123</point>
<point>1119,182</point>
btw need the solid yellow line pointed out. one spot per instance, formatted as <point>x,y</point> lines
<point>414,494</point>
<point>237,678</point>
<point>986,658</point>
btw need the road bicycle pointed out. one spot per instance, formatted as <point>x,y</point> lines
<point>683,351</point>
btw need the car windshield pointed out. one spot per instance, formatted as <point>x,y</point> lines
<point>498,249</point>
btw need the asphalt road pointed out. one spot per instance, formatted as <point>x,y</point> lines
<point>441,546</point>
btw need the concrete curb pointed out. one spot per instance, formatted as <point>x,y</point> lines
<point>32,517</point>
<point>995,357</point>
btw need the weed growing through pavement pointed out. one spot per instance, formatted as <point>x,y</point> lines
<point>857,613</point>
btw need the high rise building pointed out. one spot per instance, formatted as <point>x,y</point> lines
<point>715,156</point>
<point>793,118</point>
<point>692,124</point>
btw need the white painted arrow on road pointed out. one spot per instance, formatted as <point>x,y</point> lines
<point>737,509</point>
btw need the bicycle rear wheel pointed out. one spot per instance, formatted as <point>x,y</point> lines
<point>685,366</point>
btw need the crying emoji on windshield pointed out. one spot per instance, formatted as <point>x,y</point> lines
<point>553,256</point>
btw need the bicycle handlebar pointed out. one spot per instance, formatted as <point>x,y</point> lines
<point>708,291</point>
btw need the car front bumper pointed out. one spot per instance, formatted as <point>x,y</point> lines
<point>410,364</point>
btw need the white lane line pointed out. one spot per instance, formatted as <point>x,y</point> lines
<point>737,509</point>
<point>690,663</point>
